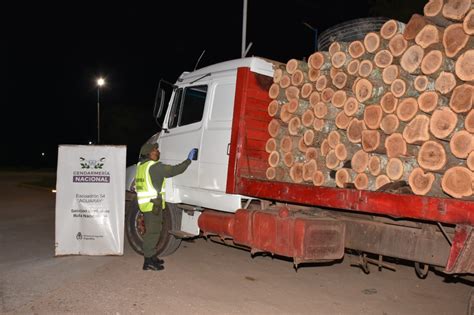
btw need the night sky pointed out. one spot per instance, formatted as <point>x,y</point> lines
<point>51,57</point>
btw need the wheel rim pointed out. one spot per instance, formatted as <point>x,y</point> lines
<point>140,225</point>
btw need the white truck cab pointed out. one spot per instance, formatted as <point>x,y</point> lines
<point>199,115</point>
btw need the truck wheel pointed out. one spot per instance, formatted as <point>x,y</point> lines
<point>135,228</point>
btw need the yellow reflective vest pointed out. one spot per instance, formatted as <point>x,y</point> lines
<point>145,189</point>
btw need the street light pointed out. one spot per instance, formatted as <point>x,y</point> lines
<point>100,83</point>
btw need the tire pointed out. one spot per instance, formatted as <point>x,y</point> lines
<point>135,228</point>
<point>349,31</point>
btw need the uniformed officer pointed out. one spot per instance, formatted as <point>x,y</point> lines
<point>149,182</point>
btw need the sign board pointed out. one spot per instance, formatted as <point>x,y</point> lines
<point>90,200</point>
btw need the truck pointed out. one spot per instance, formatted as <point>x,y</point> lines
<point>224,195</point>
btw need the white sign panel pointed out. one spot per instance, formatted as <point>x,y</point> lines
<point>90,200</point>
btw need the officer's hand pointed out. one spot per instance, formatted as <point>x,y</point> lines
<point>193,154</point>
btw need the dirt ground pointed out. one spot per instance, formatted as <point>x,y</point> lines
<point>200,278</point>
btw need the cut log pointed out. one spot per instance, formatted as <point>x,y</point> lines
<point>339,98</point>
<point>343,151</point>
<point>360,161</point>
<point>296,173</point>
<point>353,67</point>
<point>333,71</point>
<point>318,124</point>
<point>391,28</point>
<point>318,178</point>
<point>271,145</point>
<point>457,182</point>
<point>397,45</point>
<point>365,68</point>
<point>373,141</point>
<point>417,131</point>
<point>381,181</point>
<point>274,91</point>
<point>285,81</point>
<point>288,144</point>
<point>396,146</point>
<point>340,80</point>
<point>399,170</point>
<point>445,82</point>
<point>432,156</point>
<point>273,108</point>
<point>326,94</point>
<point>314,98</point>
<point>372,42</point>
<point>462,98</point>
<point>337,46</point>
<point>421,182</point>
<point>302,147</point>
<point>291,93</point>
<point>407,109</point>
<point>278,174</point>
<point>429,35</point>
<point>277,74</point>
<point>343,177</point>
<point>373,116</point>
<point>470,161</point>
<point>423,83</point>
<point>322,110</point>
<point>297,106</point>
<point>309,168</point>
<point>443,122</point>
<point>313,74</point>
<point>342,120</point>
<point>414,26</point>
<point>340,59</point>
<point>389,102</point>
<point>390,124</point>
<point>306,90</point>
<point>356,49</point>
<point>411,59</point>
<point>433,9</point>
<point>461,144</point>
<point>429,100</point>
<point>275,128</point>
<point>366,91</point>
<point>352,107</point>
<point>465,66</point>
<point>321,82</point>
<point>274,159</point>
<point>311,154</point>
<point>325,148</point>
<point>468,23</point>
<point>334,139</point>
<point>288,159</point>
<point>383,59</point>
<point>319,60</point>
<point>456,9</point>
<point>390,73</point>
<point>307,118</point>
<point>377,163</point>
<point>308,137</point>
<point>285,115</point>
<point>298,78</point>
<point>332,162</point>
<point>454,40</point>
<point>400,87</point>
<point>293,65</point>
<point>295,126</point>
<point>434,62</point>
<point>469,121</point>
<point>354,130</point>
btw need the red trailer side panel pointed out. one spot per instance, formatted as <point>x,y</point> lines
<point>248,163</point>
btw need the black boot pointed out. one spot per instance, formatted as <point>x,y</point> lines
<point>157,260</point>
<point>149,264</point>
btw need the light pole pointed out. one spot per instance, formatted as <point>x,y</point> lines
<point>100,83</point>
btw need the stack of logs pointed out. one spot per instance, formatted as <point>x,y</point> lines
<point>392,108</point>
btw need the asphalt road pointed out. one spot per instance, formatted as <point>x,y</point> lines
<point>200,278</point>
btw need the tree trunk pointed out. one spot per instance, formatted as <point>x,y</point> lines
<point>397,45</point>
<point>365,68</point>
<point>296,173</point>
<point>342,120</point>
<point>332,162</point>
<point>362,181</point>
<point>285,115</point>
<point>423,83</point>
<point>353,108</point>
<point>372,42</point>
<point>354,130</point>
<point>337,46</point>
<point>274,108</point>
<point>461,144</point>
<point>414,25</point>
<point>469,121</point>
<point>278,174</point>
<point>288,144</point>
<point>327,94</point>
<point>295,126</point>
<point>429,35</point>
<point>417,131</point>
<point>307,118</point>
<point>391,28</point>
<point>306,90</point>
<point>271,145</point>
<point>462,98</point>
<point>319,60</point>
<point>366,91</point>
<point>377,163</point>
<point>383,58</point>
<point>428,101</point>
<point>396,146</point>
<point>313,74</point>
<point>457,182</point>
<point>443,122</point>
<point>389,102</point>
<point>454,40</point>
<point>285,81</point>
<point>434,62</point>
<point>390,124</point>
<point>340,59</point>
<point>360,161</point>
<point>298,78</point>
<point>434,156</point>
<point>309,168</point>
<point>400,168</point>
<point>274,159</point>
<point>353,67</point>
<point>465,66</point>
<point>343,177</point>
<point>321,82</point>
<point>411,59</point>
<point>456,9</point>
<point>297,106</point>
<point>421,183</point>
<point>470,161</point>
<point>339,98</point>
<point>468,23</point>
<point>314,98</point>
<point>275,128</point>
<point>356,49</point>
<point>373,141</point>
<point>407,109</point>
<point>323,111</point>
<point>445,82</point>
<point>381,181</point>
<point>390,74</point>
<point>373,116</point>
<point>292,93</point>
<point>293,65</point>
